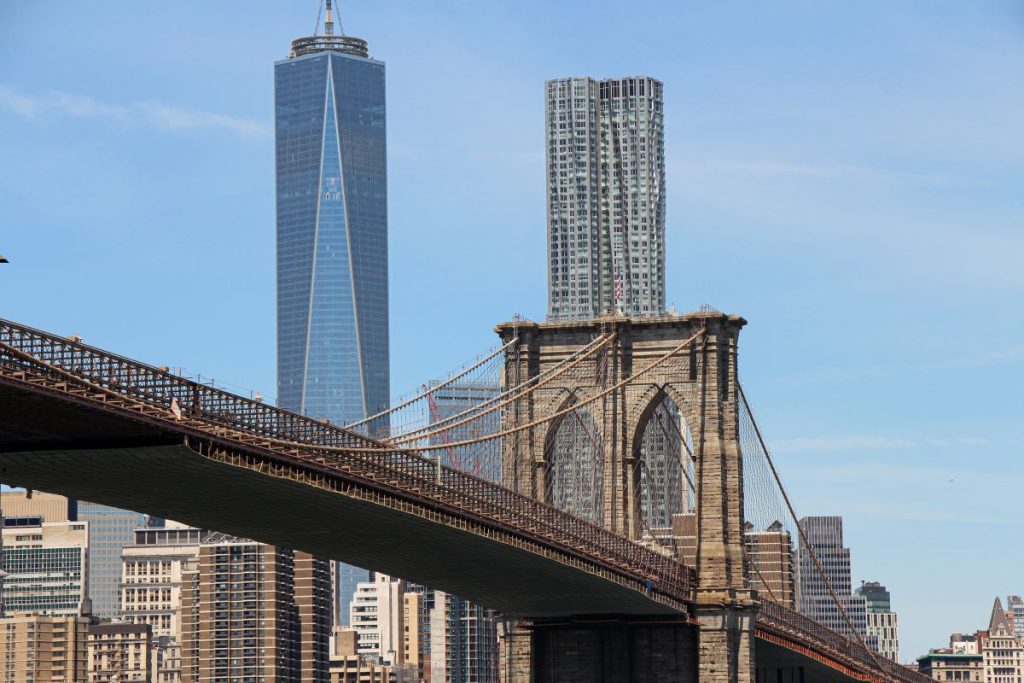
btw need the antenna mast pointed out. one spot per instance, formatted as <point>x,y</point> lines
<point>328,21</point>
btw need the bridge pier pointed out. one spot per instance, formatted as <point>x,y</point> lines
<point>788,674</point>
<point>726,651</point>
<point>600,651</point>
<point>515,652</point>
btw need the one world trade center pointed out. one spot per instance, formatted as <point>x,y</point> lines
<point>332,237</point>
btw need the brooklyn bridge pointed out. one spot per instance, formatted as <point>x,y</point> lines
<point>545,479</point>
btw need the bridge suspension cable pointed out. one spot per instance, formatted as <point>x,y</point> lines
<point>747,413</point>
<point>557,414</point>
<point>505,398</point>
<point>430,389</point>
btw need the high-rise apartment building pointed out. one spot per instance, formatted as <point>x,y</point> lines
<point>415,650</point>
<point>882,622</point>
<point>252,611</point>
<point>39,648</point>
<point>110,530</point>
<point>45,565</point>
<point>825,536</point>
<point>332,238</point>
<point>468,647</point>
<point>606,197</point>
<point>377,616</point>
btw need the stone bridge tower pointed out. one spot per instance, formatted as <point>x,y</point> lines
<point>698,380</point>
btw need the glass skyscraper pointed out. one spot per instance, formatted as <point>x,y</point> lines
<point>110,530</point>
<point>332,237</point>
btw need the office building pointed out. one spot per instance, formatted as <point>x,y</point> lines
<point>770,551</point>
<point>119,653</point>
<point>48,507</point>
<point>481,459</point>
<point>825,536</point>
<point>332,239</point>
<point>110,530</point>
<point>882,622</point>
<point>154,570</point>
<point>605,148</point>
<point>346,582</point>
<point>946,665</point>
<point>252,611</point>
<point>376,615</point>
<point>1002,650</point>
<point>39,648</point>
<point>45,565</point>
<point>332,258</point>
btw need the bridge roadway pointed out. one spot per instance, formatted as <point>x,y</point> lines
<point>91,425</point>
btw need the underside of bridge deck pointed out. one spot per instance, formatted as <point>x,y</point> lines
<point>639,650</point>
<point>63,447</point>
<point>778,664</point>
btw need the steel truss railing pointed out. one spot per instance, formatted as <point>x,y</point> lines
<point>802,628</point>
<point>70,366</point>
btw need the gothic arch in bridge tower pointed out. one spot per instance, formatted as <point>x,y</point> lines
<point>574,464</point>
<point>659,466</point>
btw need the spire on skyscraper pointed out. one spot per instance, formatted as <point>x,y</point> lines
<point>328,20</point>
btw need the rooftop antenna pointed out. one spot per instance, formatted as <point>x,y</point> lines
<point>328,21</point>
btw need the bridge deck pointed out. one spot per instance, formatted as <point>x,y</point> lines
<point>59,446</point>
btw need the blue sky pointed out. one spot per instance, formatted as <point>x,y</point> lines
<point>847,176</point>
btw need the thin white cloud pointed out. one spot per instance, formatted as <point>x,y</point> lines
<point>161,115</point>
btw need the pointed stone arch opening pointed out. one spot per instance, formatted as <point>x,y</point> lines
<point>661,467</point>
<point>574,464</point>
